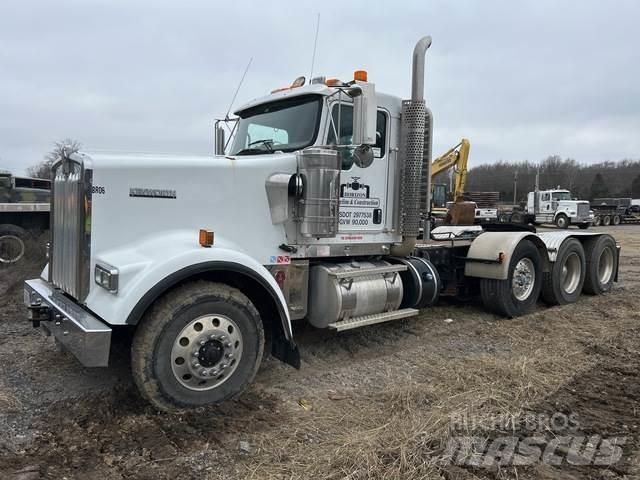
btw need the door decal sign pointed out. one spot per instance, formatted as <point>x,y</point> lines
<point>356,204</point>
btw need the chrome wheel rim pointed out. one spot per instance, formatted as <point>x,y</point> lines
<point>11,249</point>
<point>605,266</point>
<point>571,272</point>
<point>206,352</point>
<point>524,278</point>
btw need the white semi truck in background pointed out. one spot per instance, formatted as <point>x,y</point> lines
<point>557,207</point>
<point>310,212</point>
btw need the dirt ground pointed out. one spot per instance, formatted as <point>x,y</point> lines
<point>383,401</point>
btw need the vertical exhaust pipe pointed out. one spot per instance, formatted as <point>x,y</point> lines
<point>414,152</point>
<point>417,75</point>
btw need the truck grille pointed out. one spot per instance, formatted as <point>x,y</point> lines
<point>71,228</point>
<point>583,210</point>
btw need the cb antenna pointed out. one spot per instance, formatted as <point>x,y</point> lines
<point>315,45</point>
<point>238,89</point>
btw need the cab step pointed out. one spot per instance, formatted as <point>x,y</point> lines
<point>355,322</point>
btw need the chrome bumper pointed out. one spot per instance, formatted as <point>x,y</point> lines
<point>88,338</point>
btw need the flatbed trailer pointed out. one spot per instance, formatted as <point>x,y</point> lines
<point>614,211</point>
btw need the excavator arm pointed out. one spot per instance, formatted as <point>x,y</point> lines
<point>457,157</point>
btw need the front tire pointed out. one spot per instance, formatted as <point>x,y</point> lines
<point>200,344</point>
<point>12,243</point>
<point>518,294</point>
<point>564,283</point>
<point>562,221</point>
<point>517,217</point>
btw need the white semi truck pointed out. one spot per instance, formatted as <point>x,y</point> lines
<point>557,207</point>
<point>310,213</point>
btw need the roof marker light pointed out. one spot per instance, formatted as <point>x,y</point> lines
<point>360,75</point>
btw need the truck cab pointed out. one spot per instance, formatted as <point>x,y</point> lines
<point>558,207</point>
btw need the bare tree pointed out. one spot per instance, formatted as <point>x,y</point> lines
<point>60,149</point>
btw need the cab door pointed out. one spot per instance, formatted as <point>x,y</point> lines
<point>363,191</point>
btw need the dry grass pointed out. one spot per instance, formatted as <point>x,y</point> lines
<point>8,402</point>
<point>401,432</point>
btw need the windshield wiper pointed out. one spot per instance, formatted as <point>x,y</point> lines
<point>245,151</point>
<point>267,142</point>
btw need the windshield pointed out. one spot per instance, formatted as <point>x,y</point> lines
<point>561,196</point>
<point>286,125</point>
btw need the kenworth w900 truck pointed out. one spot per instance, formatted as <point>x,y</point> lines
<point>310,211</point>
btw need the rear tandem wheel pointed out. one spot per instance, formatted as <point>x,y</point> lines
<point>519,292</point>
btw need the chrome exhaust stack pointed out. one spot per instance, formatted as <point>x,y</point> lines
<point>414,153</point>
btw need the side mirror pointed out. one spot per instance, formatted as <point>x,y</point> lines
<point>364,114</point>
<point>363,155</point>
<point>219,140</point>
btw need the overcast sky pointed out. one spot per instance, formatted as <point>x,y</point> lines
<point>521,80</point>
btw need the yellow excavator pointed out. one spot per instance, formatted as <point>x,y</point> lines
<point>461,213</point>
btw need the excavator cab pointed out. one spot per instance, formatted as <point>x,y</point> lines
<point>458,212</point>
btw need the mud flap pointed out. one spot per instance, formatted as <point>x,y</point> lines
<point>286,351</point>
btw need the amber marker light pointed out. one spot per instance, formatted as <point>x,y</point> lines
<point>360,75</point>
<point>206,238</point>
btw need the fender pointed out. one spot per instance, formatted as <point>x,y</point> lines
<point>156,264</point>
<point>490,254</point>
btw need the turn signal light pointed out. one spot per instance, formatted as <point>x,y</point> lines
<point>206,238</point>
<point>360,75</point>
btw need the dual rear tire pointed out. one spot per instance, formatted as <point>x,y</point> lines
<point>564,283</point>
<point>601,255</point>
<point>590,267</point>
<point>519,293</point>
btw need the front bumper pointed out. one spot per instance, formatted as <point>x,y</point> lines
<point>84,335</point>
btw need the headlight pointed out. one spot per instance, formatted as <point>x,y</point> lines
<point>107,277</point>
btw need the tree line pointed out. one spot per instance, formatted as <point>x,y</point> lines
<point>584,181</point>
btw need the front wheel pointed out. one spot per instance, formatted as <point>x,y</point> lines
<point>562,221</point>
<point>12,243</point>
<point>517,217</point>
<point>519,292</point>
<point>200,344</point>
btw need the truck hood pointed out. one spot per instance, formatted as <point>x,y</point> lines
<point>141,195</point>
